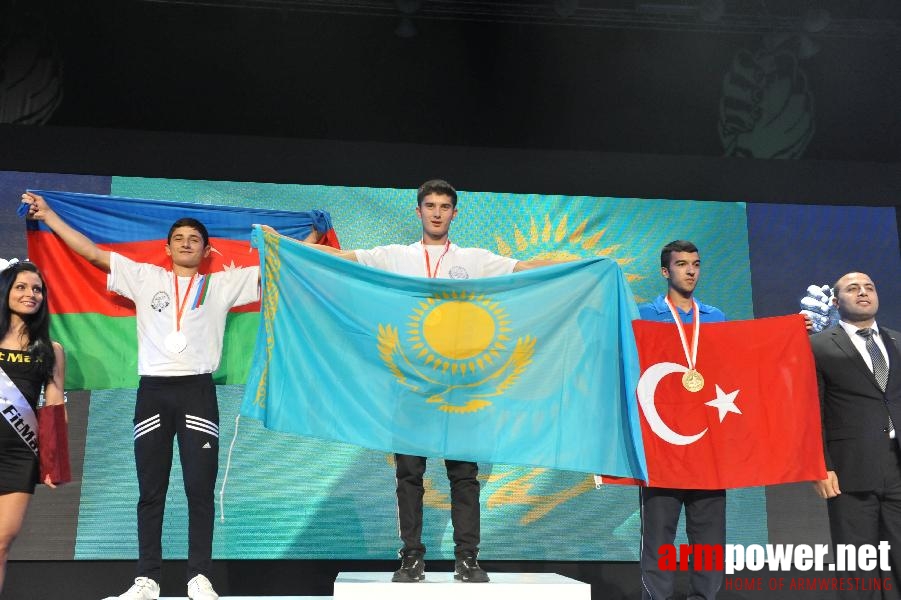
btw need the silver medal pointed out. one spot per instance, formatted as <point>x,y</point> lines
<point>176,342</point>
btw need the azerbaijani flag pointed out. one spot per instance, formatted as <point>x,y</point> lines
<point>97,327</point>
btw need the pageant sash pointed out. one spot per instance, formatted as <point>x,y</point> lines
<point>17,412</point>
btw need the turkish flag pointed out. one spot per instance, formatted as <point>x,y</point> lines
<point>755,421</point>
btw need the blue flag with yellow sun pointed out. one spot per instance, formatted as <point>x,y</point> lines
<point>535,368</point>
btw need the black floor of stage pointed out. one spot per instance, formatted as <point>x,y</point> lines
<point>92,580</point>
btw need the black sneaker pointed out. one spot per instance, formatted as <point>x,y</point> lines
<point>412,569</point>
<point>467,569</point>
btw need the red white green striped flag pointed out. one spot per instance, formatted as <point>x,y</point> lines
<point>97,327</point>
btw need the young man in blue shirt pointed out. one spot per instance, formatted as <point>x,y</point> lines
<point>705,510</point>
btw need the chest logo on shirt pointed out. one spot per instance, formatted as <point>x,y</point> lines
<point>458,272</point>
<point>160,301</point>
<point>14,357</point>
<point>458,351</point>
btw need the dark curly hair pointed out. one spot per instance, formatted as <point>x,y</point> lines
<point>37,326</point>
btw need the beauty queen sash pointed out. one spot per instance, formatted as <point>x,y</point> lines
<point>50,428</point>
<point>17,412</point>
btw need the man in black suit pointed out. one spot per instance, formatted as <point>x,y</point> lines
<point>858,367</point>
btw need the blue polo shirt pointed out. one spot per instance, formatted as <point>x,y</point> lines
<point>659,311</point>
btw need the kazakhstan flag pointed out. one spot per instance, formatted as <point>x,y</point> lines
<point>536,368</point>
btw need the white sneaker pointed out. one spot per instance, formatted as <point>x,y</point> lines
<point>143,589</point>
<point>200,588</point>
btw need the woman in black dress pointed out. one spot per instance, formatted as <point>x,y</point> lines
<point>29,360</point>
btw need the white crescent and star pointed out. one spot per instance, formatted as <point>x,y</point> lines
<point>647,386</point>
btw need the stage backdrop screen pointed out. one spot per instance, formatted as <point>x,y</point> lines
<point>281,496</point>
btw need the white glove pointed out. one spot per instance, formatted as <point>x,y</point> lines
<point>818,308</point>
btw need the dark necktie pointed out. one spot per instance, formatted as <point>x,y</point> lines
<point>880,368</point>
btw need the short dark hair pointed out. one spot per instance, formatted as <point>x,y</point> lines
<point>675,246</point>
<point>835,285</point>
<point>193,224</point>
<point>436,186</point>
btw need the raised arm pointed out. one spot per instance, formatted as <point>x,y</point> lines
<point>39,210</point>
<point>311,240</point>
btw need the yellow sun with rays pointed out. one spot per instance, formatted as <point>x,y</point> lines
<point>544,239</point>
<point>458,332</point>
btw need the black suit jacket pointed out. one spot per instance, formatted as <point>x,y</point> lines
<point>854,410</point>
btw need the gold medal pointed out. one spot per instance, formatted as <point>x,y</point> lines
<point>693,381</point>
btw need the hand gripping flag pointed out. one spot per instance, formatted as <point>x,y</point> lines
<point>756,421</point>
<point>97,327</point>
<point>535,368</point>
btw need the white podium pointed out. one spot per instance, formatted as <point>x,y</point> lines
<point>442,586</point>
<point>255,597</point>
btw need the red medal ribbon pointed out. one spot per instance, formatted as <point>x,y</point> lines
<point>428,262</point>
<point>180,309</point>
<point>691,354</point>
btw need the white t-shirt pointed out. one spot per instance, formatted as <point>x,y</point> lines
<point>152,289</point>
<point>456,263</point>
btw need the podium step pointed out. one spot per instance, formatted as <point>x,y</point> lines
<point>442,586</point>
